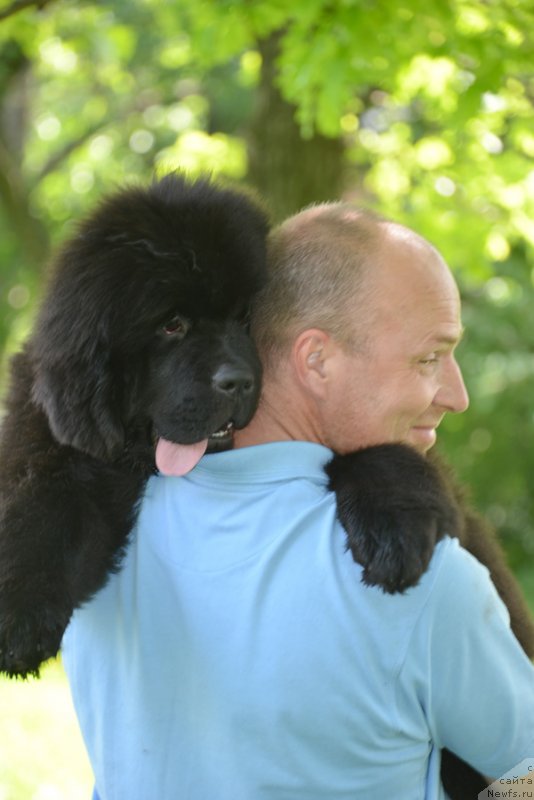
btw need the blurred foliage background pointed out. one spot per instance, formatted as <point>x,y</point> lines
<point>421,110</point>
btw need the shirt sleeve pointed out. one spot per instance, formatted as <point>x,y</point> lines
<point>478,694</point>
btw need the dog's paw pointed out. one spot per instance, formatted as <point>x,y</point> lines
<point>27,640</point>
<point>394,549</point>
<point>394,507</point>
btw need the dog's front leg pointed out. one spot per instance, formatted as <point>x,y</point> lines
<point>394,507</point>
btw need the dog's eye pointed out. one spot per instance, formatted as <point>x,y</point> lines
<point>177,326</point>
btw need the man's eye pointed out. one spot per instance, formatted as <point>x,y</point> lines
<point>431,359</point>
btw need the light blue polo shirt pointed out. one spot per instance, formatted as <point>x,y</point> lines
<point>238,656</point>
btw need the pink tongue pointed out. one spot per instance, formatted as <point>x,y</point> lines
<point>178,459</point>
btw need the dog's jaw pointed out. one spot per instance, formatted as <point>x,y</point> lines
<point>173,459</point>
<point>178,459</point>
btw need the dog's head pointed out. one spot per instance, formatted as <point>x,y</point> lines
<point>143,325</point>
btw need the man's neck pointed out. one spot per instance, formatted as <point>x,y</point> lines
<point>277,422</point>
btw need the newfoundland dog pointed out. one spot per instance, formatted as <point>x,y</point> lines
<point>140,360</point>
<point>140,343</point>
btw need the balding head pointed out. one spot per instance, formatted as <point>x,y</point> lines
<point>329,265</point>
<point>319,261</point>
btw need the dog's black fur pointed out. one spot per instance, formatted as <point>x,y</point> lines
<point>141,335</point>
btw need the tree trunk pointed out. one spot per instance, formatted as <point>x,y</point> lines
<point>14,195</point>
<point>290,172</point>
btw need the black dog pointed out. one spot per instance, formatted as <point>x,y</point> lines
<point>141,344</point>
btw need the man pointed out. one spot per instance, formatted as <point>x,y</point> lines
<point>237,655</point>
<point>375,359</point>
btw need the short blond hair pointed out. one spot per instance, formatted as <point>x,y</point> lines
<point>318,263</point>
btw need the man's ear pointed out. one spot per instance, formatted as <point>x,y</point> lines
<point>312,351</point>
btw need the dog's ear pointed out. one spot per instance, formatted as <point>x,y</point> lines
<point>77,381</point>
<point>82,403</point>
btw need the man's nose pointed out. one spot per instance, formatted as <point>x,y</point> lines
<point>452,394</point>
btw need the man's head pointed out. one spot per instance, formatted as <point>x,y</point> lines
<point>318,263</point>
<point>357,330</point>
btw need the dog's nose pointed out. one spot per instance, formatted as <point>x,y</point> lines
<point>233,379</point>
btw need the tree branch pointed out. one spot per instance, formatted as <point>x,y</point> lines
<point>14,197</point>
<point>20,5</point>
<point>57,158</point>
